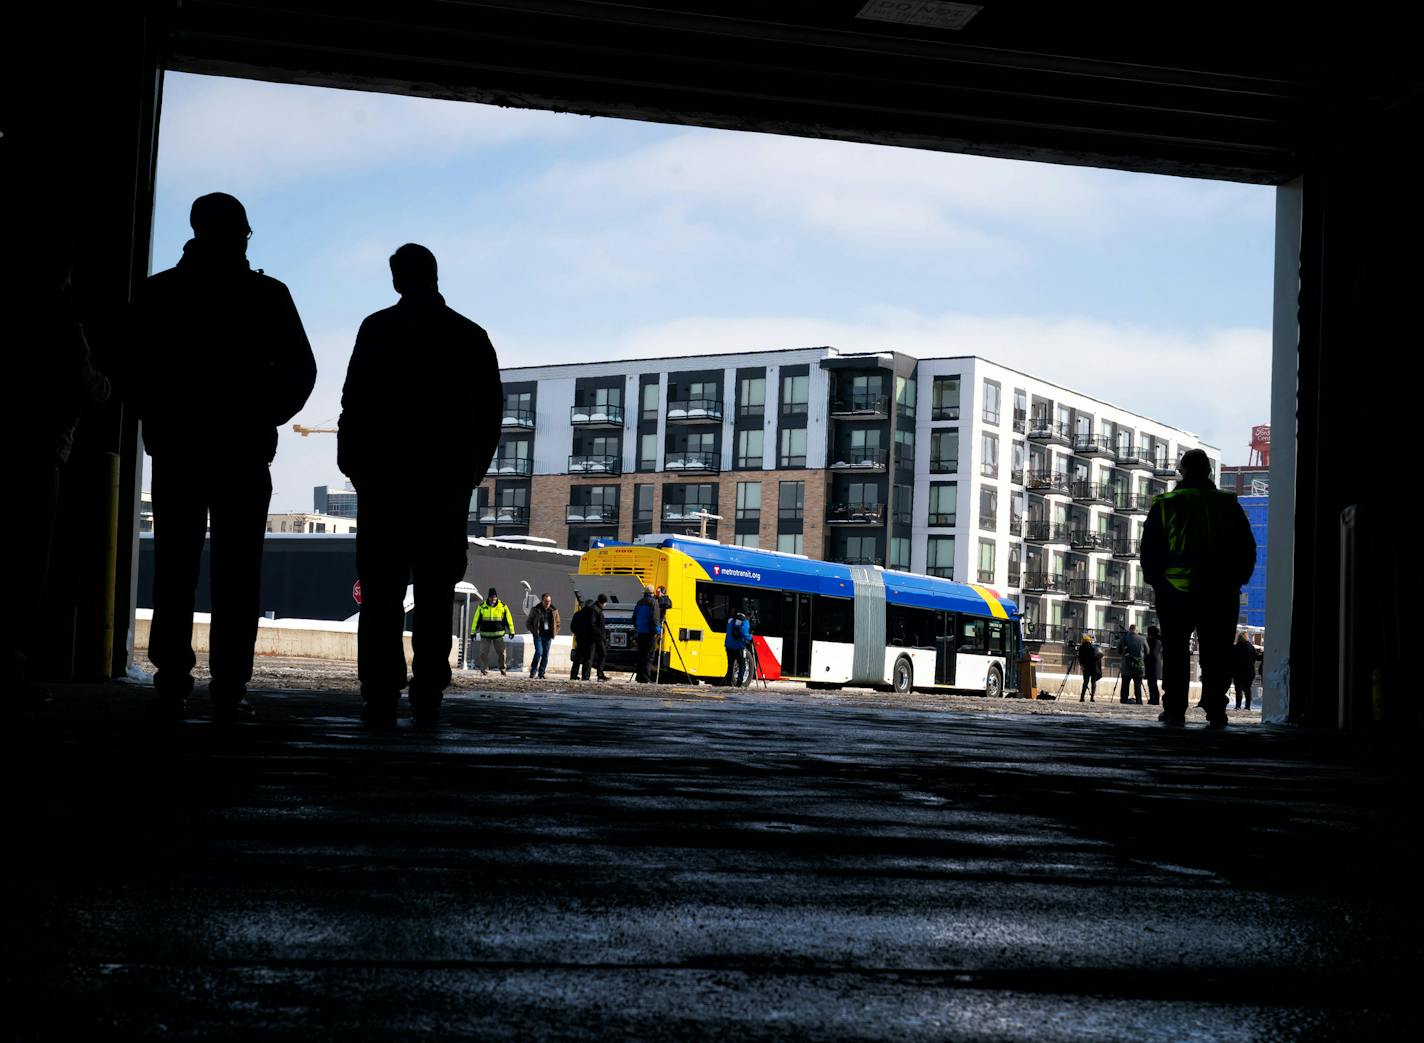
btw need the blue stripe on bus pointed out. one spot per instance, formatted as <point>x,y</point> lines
<point>750,567</point>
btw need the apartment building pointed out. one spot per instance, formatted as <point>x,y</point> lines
<point>956,467</point>
<point>309,523</point>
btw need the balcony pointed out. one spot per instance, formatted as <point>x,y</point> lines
<point>1048,483</point>
<point>1089,541</point>
<point>1020,421</point>
<point>865,406</point>
<point>1089,443</point>
<point>1048,432</point>
<point>694,411</point>
<point>1125,549</point>
<point>855,514</point>
<point>1137,504</point>
<point>595,465</point>
<point>591,513</point>
<point>859,559</point>
<point>860,460</point>
<point>517,420</point>
<point>504,515</point>
<point>941,519</point>
<point>1045,532</point>
<point>1083,589</point>
<point>1092,493</point>
<point>688,460</point>
<point>1144,596</point>
<point>1044,583</point>
<point>595,416</point>
<point>1131,456</point>
<point>511,466</point>
<point>1045,633</point>
<point>1163,468</point>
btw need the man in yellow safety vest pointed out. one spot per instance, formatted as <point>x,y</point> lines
<point>492,623</point>
<point>1197,553</point>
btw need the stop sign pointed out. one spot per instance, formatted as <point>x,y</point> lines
<point>356,591</point>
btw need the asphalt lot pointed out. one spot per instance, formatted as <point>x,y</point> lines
<point>624,862</point>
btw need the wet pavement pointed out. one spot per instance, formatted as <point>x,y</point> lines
<point>627,863</point>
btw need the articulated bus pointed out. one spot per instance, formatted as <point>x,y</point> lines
<point>815,621</point>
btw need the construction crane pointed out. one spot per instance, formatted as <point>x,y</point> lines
<point>304,431</point>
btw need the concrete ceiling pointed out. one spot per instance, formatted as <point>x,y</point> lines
<point>1243,92</point>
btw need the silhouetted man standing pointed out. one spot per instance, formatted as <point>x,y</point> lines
<point>420,420</point>
<point>1197,552</point>
<point>218,359</point>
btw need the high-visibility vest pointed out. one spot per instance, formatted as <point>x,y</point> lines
<point>1199,524</point>
<point>492,620</point>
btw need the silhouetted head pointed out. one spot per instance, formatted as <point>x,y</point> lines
<point>1153,631</point>
<point>219,220</point>
<point>413,270</point>
<point>602,599</point>
<point>1195,464</point>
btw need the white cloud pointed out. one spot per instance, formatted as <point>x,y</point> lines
<point>1215,382</point>
<point>893,197</point>
<point>226,134</point>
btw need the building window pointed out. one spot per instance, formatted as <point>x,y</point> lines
<point>899,552</point>
<point>906,390</point>
<point>902,500</point>
<point>795,394</point>
<point>944,452</point>
<point>652,395</point>
<point>1015,564</point>
<point>748,500</point>
<point>1016,471</point>
<point>789,543</point>
<point>648,452</point>
<point>1020,410</point>
<point>904,449</point>
<point>944,498</point>
<point>748,539</point>
<point>793,447</point>
<point>944,399</point>
<point>749,449</point>
<point>939,556</point>
<point>792,503</point>
<point>989,450</point>
<point>986,561</point>
<point>642,503</point>
<point>993,396</point>
<point>751,396</point>
<point>988,508</point>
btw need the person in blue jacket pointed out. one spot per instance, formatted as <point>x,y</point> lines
<point>648,628</point>
<point>739,640</point>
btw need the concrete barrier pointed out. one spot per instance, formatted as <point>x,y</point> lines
<point>287,638</point>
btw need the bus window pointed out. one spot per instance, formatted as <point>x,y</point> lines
<point>763,609</point>
<point>716,605</point>
<point>971,635</point>
<point>912,627</point>
<point>998,637</point>
<point>833,619</point>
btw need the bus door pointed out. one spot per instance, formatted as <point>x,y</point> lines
<point>944,653</point>
<point>796,634</point>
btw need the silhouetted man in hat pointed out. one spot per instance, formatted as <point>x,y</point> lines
<point>1197,553</point>
<point>420,420</point>
<point>217,360</point>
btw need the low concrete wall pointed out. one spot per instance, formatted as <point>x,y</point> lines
<point>296,639</point>
<point>520,650</point>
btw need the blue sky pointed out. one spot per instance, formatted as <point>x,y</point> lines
<point>570,238</point>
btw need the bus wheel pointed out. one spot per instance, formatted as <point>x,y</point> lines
<point>904,675</point>
<point>994,685</point>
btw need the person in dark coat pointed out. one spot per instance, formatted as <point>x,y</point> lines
<point>1244,657</point>
<point>1152,664</point>
<point>597,640</point>
<point>216,360</point>
<point>648,628</point>
<point>1090,662</point>
<point>420,421</point>
<point>580,628</point>
<point>1133,647</point>
<point>55,381</point>
<point>1197,553</point>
